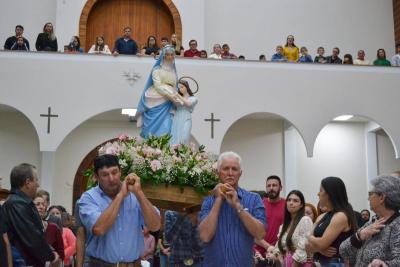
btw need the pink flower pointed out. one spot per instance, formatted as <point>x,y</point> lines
<point>158,152</point>
<point>192,147</point>
<point>176,159</point>
<point>155,165</point>
<point>175,146</point>
<point>123,137</point>
<point>113,149</point>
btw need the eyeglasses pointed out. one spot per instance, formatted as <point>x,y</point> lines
<point>370,193</point>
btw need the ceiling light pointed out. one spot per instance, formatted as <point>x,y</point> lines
<point>343,118</point>
<point>131,112</point>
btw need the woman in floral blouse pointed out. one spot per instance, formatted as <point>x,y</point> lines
<point>293,233</point>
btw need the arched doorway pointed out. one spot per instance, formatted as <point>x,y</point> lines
<point>146,17</point>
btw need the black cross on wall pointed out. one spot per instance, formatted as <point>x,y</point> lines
<point>48,115</point>
<point>212,120</point>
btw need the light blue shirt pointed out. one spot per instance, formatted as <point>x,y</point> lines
<point>232,244</point>
<point>123,242</point>
<point>396,60</point>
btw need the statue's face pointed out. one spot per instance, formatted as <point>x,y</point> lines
<point>169,57</point>
<point>182,88</point>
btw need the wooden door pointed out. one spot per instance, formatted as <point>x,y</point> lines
<point>108,18</point>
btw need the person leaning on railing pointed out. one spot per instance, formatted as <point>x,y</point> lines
<point>99,47</point>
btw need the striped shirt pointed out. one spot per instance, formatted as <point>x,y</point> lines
<point>232,245</point>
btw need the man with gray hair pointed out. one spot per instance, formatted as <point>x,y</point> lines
<point>25,228</point>
<point>231,218</point>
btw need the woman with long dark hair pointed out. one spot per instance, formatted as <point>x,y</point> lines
<point>75,45</point>
<point>334,226</point>
<point>293,233</point>
<point>100,47</point>
<point>151,48</point>
<point>381,58</point>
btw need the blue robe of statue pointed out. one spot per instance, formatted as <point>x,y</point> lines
<point>182,122</point>
<point>154,109</point>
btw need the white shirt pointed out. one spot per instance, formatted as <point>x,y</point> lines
<point>105,50</point>
<point>215,56</point>
<point>361,62</point>
<point>396,60</point>
<point>299,239</point>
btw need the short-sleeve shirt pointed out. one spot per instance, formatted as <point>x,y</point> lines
<point>78,221</point>
<point>190,53</point>
<point>124,241</point>
<point>232,244</point>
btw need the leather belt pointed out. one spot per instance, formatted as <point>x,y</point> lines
<point>94,262</point>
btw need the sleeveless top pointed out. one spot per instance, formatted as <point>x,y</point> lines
<point>319,232</point>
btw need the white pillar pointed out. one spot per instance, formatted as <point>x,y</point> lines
<point>290,161</point>
<point>47,168</point>
<point>371,151</point>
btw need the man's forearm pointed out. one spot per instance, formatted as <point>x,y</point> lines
<point>151,217</point>
<point>80,246</point>
<point>262,243</point>
<point>108,217</point>
<point>8,250</point>
<point>252,225</point>
<point>208,226</point>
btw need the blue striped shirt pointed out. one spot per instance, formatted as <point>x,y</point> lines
<point>123,242</point>
<point>232,244</point>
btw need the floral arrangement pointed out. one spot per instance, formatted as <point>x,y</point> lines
<point>155,161</point>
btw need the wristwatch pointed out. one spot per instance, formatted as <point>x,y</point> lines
<point>239,210</point>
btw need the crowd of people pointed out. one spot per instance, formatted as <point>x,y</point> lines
<point>47,41</point>
<point>114,224</point>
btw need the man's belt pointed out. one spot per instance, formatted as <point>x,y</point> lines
<point>94,262</point>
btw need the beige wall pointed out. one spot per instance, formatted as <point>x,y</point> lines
<point>387,163</point>
<point>18,143</point>
<point>339,151</point>
<point>260,144</point>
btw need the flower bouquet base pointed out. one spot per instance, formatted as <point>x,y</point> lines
<point>173,197</point>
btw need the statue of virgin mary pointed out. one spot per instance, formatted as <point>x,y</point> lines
<point>154,115</point>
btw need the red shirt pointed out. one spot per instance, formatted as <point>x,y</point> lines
<point>274,213</point>
<point>190,53</point>
<point>54,238</point>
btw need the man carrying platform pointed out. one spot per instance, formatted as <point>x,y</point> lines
<point>113,214</point>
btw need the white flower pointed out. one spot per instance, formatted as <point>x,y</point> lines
<point>123,163</point>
